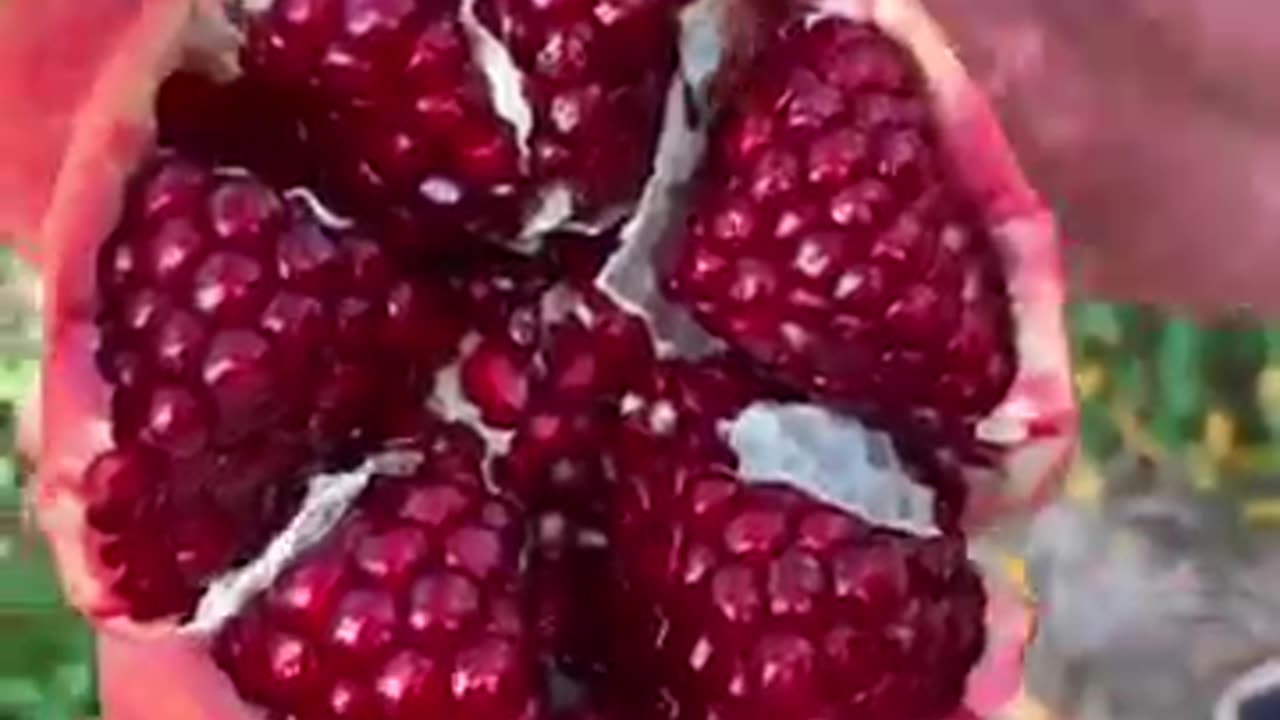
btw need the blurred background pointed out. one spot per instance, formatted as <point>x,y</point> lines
<point>1170,521</point>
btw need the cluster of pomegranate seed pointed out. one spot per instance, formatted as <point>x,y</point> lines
<point>416,596</point>
<point>752,600</point>
<point>324,262</point>
<point>399,120</point>
<point>246,342</point>
<point>826,241</point>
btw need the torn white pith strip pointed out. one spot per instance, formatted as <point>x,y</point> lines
<point>503,77</point>
<point>329,497</point>
<point>833,458</point>
<point>629,277</point>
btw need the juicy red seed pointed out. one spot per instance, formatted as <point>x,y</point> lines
<point>307,595</point>
<point>352,700</point>
<point>238,373</point>
<point>736,595</point>
<point>173,190</point>
<point>243,212</point>
<point>796,581</point>
<point>179,342</point>
<point>784,669</point>
<point>824,528</point>
<point>392,557</point>
<point>143,309</point>
<point>172,248</point>
<point>755,531</point>
<point>495,380</point>
<point>476,550</point>
<point>364,624</point>
<point>293,666</point>
<point>229,286</point>
<point>485,680</point>
<point>176,422</point>
<point>297,322</point>
<point>876,580</point>
<point>412,685</point>
<point>442,604</point>
<point>307,257</point>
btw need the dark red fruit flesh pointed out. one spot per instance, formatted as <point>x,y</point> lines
<point>596,76</point>
<point>412,608</point>
<point>245,343</point>
<point>396,114</point>
<point>752,601</point>
<point>827,241</point>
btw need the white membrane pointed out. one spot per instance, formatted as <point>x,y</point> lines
<point>834,459</point>
<point>329,497</point>
<point>506,82</point>
<point>629,275</point>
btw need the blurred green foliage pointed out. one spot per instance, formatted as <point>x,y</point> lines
<point>46,652</point>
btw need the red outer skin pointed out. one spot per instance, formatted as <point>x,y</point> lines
<point>82,135</point>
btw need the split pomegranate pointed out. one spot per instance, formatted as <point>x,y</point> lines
<point>345,417</point>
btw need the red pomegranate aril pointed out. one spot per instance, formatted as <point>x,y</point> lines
<point>242,212</point>
<point>179,340</point>
<point>496,379</point>
<point>391,557</point>
<point>306,597</point>
<point>170,251</point>
<point>176,423</point>
<point>238,373</point>
<point>411,685</point>
<point>363,625</point>
<point>229,287</point>
<point>442,604</point>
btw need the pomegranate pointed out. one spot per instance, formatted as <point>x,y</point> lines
<point>347,415</point>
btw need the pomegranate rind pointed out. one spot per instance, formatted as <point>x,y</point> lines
<point>1035,424</point>
<point>183,683</point>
